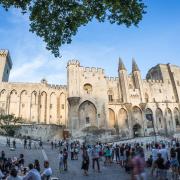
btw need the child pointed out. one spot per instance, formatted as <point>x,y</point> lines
<point>60,158</point>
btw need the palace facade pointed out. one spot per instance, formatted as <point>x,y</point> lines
<point>127,103</point>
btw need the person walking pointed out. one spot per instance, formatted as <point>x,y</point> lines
<point>85,161</point>
<point>95,158</point>
<point>60,158</point>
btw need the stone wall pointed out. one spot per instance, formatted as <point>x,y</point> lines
<point>41,131</point>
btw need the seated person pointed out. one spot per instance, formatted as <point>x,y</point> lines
<point>13,175</point>
<point>33,174</point>
<point>47,171</point>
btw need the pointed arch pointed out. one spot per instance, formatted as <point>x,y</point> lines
<point>123,118</point>
<point>3,101</point>
<point>43,107</point>
<point>14,103</point>
<point>34,106</point>
<point>149,117</point>
<point>62,108</point>
<point>177,117</point>
<point>87,114</point>
<point>160,119</point>
<point>169,119</point>
<point>111,118</point>
<point>53,108</point>
<point>24,105</point>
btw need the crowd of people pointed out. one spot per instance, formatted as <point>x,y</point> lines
<point>156,160</point>
<point>15,169</point>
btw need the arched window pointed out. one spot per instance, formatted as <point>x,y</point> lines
<point>88,88</point>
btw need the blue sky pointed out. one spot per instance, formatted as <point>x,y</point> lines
<point>156,40</point>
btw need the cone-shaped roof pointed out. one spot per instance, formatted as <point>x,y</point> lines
<point>121,65</point>
<point>134,65</point>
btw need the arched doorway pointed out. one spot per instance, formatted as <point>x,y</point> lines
<point>123,119</point>
<point>149,117</point>
<point>137,119</point>
<point>160,120</point>
<point>169,120</point>
<point>123,122</point>
<point>87,114</point>
<point>137,129</point>
<point>111,118</point>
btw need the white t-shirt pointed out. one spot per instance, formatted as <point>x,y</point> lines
<point>164,154</point>
<point>155,154</point>
<point>60,157</point>
<point>47,172</point>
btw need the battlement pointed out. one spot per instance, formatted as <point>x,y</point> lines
<point>93,70</point>
<point>112,79</point>
<point>153,81</point>
<point>73,62</point>
<point>5,53</point>
<point>54,86</point>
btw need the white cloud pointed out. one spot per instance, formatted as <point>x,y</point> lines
<point>26,68</point>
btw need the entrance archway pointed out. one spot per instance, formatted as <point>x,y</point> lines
<point>149,117</point>
<point>87,114</point>
<point>137,130</point>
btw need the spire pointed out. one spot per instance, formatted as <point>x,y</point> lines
<point>121,65</point>
<point>134,65</point>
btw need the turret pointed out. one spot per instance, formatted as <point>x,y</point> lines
<point>5,65</point>
<point>73,71</point>
<point>136,74</point>
<point>123,81</point>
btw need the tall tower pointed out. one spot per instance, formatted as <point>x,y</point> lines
<point>123,81</point>
<point>5,65</point>
<point>73,78</point>
<point>136,74</point>
<point>73,84</point>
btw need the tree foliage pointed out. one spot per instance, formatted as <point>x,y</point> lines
<point>8,123</point>
<point>56,21</point>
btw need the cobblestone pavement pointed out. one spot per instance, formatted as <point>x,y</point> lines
<point>74,172</point>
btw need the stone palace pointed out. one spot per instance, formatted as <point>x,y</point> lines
<point>130,105</point>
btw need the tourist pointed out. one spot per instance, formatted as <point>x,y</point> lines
<point>13,175</point>
<point>164,153</point>
<point>47,173</point>
<point>25,143</point>
<point>14,144</point>
<point>95,157</point>
<point>160,167</point>
<point>138,165</point>
<point>37,165</point>
<point>117,156</point>
<point>155,152</point>
<point>85,161</point>
<point>29,144</point>
<point>174,163</point>
<point>122,155</point>
<point>60,158</point>
<point>65,157</point>
<point>33,174</point>
<point>1,173</point>
<point>52,145</point>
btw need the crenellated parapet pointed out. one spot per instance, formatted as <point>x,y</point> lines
<point>112,79</point>
<point>93,70</point>
<point>73,62</point>
<point>4,53</point>
<point>54,86</point>
<point>152,81</point>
